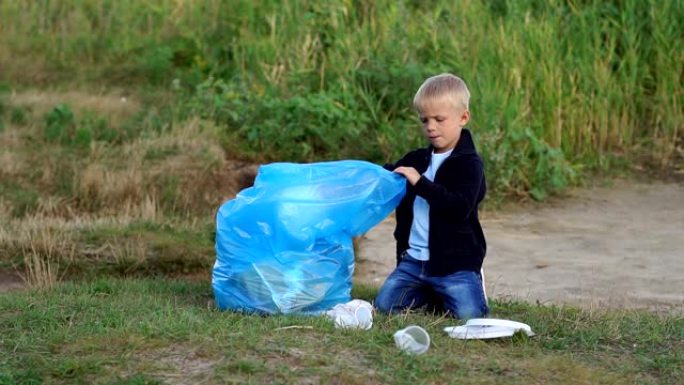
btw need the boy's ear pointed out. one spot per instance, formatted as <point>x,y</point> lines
<point>465,117</point>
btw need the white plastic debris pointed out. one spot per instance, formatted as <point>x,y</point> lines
<point>412,339</point>
<point>486,328</point>
<point>355,314</point>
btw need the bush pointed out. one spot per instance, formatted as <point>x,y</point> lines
<point>314,126</point>
<point>63,127</point>
<point>19,116</point>
<point>60,124</point>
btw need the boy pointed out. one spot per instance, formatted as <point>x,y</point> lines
<point>440,243</point>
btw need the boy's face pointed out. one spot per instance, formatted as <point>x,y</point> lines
<point>442,124</point>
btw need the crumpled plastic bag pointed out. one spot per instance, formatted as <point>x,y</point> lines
<point>285,244</point>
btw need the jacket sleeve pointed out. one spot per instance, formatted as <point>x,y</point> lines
<point>459,194</point>
<point>401,162</point>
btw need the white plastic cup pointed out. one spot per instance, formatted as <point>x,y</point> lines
<point>364,318</point>
<point>412,339</point>
<point>361,319</point>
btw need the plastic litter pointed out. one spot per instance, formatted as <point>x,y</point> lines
<point>355,314</point>
<point>412,339</point>
<point>486,328</point>
<point>285,244</point>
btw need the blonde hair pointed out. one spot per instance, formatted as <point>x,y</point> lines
<point>441,87</point>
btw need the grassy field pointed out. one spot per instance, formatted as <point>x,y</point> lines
<point>558,87</point>
<point>125,124</point>
<point>152,331</point>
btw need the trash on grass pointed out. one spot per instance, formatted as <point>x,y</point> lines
<point>486,328</point>
<point>355,314</point>
<point>412,339</point>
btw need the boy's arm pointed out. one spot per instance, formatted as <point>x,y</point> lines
<point>460,195</point>
<point>399,163</point>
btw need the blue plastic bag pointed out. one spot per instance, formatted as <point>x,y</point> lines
<point>285,244</point>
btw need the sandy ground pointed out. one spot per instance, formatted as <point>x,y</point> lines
<point>617,246</point>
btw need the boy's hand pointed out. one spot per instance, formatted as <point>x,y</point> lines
<point>409,173</point>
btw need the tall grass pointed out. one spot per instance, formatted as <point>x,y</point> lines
<point>558,86</point>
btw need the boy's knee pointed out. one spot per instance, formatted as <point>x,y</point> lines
<point>383,302</point>
<point>381,306</point>
<point>464,296</point>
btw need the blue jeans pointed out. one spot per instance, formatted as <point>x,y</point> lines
<point>461,293</point>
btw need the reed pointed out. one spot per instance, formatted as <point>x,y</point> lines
<point>558,86</point>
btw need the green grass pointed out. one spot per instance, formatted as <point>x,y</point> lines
<point>164,331</point>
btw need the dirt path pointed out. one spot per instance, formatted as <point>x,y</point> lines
<point>617,246</point>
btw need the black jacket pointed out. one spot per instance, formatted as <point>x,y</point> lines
<point>455,239</point>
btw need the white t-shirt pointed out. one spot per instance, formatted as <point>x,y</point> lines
<point>418,239</point>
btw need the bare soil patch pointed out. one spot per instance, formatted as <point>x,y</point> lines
<point>617,246</point>
<point>10,281</point>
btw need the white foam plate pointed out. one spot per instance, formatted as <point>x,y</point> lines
<point>486,328</point>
